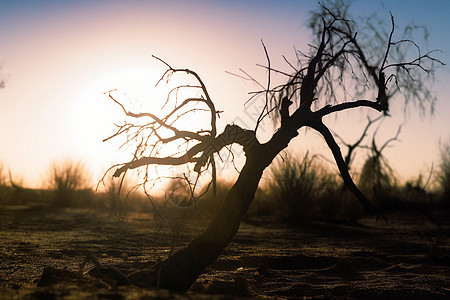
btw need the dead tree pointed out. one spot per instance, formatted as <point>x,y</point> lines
<point>348,158</point>
<point>302,101</point>
<point>376,175</point>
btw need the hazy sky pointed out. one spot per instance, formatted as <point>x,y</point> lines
<point>58,57</point>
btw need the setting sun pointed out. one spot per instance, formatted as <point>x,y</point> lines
<point>94,114</point>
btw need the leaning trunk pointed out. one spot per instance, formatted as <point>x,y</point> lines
<point>179,271</point>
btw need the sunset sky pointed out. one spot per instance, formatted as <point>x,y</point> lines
<point>58,57</point>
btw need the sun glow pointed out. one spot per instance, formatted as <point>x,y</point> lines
<point>95,113</point>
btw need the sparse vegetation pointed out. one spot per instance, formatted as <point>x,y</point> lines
<point>19,193</point>
<point>298,185</point>
<point>111,196</point>
<point>302,190</point>
<point>4,189</point>
<point>443,174</point>
<point>64,179</point>
<point>416,191</point>
<point>377,179</point>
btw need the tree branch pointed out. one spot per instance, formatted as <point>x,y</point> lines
<point>208,100</point>
<point>334,147</point>
<point>169,160</point>
<point>231,134</point>
<point>178,133</point>
<point>328,109</point>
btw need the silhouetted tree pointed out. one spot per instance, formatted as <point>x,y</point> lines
<point>349,157</point>
<point>377,59</point>
<point>377,177</point>
<point>309,94</point>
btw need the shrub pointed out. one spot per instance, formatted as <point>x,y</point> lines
<point>64,179</point>
<point>377,179</point>
<point>4,189</point>
<point>416,191</point>
<point>337,203</point>
<point>110,196</point>
<point>297,185</point>
<point>302,190</point>
<point>443,174</point>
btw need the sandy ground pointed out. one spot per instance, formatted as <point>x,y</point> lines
<point>409,258</point>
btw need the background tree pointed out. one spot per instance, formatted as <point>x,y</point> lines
<point>377,177</point>
<point>377,59</point>
<point>358,143</point>
<point>309,94</point>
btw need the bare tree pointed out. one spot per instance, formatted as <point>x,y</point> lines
<point>377,59</point>
<point>377,177</point>
<point>337,54</point>
<point>348,158</point>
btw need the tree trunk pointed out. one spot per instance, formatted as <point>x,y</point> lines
<point>179,271</point>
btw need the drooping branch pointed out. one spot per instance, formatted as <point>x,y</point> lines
<point>337,50</point>
<point>328,109</point>
<point>337,154</point>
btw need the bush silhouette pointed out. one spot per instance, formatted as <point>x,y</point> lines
<point>443,175</point>
<point>298,185</point>
<point>64,179</point>
<point>4,189</point>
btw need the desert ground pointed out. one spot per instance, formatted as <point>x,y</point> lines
<point>407,258</point>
